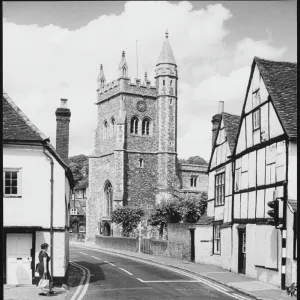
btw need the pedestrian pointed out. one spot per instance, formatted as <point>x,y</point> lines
<point>43,267</point>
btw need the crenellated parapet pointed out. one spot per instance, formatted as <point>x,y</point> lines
<point>126,85</point>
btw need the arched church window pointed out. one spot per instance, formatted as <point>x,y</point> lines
<point>171,101</point>
<point>146,127</point>
<point>170,82</point>
<point>108,191</point>
<point>124,71</point>
<point>164,82</point>
<point>102,83</point>
<point>113,127</point>
<point>134,125</point>
<point>105,129</point>
<point>141,163</point>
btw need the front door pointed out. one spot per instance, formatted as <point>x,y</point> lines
<point>242,252</point>
<point>192,245</point>
<point>18,258</point>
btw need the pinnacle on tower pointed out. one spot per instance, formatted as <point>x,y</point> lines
<point>145,78</point>
<point>166,55</point>
<point>101,78</point>
<point>123,68</point>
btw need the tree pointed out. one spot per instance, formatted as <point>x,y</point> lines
<point>128,217</point>
<point>195,160</point>
<point>74,221</point>
<point>192,207</point>
<point>79,166</point>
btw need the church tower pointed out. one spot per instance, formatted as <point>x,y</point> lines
<point>166,84</point>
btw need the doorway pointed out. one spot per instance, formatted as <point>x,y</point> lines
<point>18,258</point>
<point>242,251</point>
<point>192,231</point>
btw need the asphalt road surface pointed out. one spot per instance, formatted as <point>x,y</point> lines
<point>114,277</point>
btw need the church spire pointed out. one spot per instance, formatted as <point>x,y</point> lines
<point>123,68</point>
<point>166,55</point>
<point>101,78</point>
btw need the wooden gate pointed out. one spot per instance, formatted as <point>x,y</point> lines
<point>145,245</point>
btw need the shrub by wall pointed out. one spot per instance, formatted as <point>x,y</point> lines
<point>121,243</point>
<point>158,247</point>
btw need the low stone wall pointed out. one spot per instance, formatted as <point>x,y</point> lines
<point>158,247</point>
<point>121,243</point>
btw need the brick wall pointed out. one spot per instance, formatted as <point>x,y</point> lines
<point>122,243</point>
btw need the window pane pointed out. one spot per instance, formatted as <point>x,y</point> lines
<point>14,175</point>
<point>14,182</point>
<point>14,190</point>
<point>7,175</point>
<point>7,190</point>
<point>7,182</point>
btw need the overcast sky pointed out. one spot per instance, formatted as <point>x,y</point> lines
<point>53,50</point>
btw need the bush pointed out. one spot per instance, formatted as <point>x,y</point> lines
<point>128,217</point>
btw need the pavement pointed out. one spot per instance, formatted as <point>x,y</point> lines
<point>31,292</point>
<point>239,282</point>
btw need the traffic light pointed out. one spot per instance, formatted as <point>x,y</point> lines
<point>273,212</point>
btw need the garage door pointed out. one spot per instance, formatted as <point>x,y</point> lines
<point>18,258</point>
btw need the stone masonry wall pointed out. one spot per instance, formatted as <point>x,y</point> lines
<point>122,243</point>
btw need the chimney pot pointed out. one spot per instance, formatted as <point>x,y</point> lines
<point>221,107</point>
<point>63,103</point>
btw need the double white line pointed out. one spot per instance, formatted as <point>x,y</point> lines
<point>86,274</point>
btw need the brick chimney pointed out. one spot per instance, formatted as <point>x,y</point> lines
<point>216,120</point>
<point>63,115</point>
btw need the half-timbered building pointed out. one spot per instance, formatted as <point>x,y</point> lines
<point>218,219</point>
<point>248,171</point>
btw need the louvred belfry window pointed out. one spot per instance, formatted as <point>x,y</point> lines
<point>134,126</point>
<point>220,189</point>
<point>146,127</point>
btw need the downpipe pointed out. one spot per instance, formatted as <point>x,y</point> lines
<point>51,211</point>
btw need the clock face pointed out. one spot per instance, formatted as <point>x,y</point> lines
<point>141,106</point>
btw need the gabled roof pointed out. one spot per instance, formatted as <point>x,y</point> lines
<point>205,220</point>
<point>18,129</point>
<point>280,79</point>
<point>166,55</point>
<point>231,126</point>
<point>16,125</point>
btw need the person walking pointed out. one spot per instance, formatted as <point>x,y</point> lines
<point>43,267</point>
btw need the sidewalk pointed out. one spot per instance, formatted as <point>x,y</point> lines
<point>31,292</point>
<point>243,284</point>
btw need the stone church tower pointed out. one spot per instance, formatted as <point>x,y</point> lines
<point>135,153</point>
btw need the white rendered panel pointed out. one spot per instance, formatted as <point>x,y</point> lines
<point>271,154</point>
<point>269,197</point>
<point>255,79</point>
<point>275,126</point>
<point>268,174</point>
<point>251,205</point>
<point>264,115</point>
<point>211,185</point>
<point>271,257</point>
<point>244,205</point>
<point>263,92</point>
<point>244,180</point>
<point>226,210</point>
<point>214,160</point>
<point>260,239</point>
<point>245,162</point>
<point>261,166</point>
<point>280,173</point>
<point>252,169</point>
<point>281,162</point>
<point>229,199</point>
<point>241,144</point>
<point>228,181</point>
<point>249,131</point>
<point>237,206</point>
<point>248,105</point>
<point>256,137</point>
<point>273,174</point>
<point>260,204</point>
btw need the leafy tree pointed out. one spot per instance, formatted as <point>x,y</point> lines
<point>192,207</point>
<point>159,218</point>
<point>128,217</point>
<point>79,166</point>
<point>195,160</point>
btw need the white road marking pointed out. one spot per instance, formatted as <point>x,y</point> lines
<point>125,271</point>
<point>200,279</point>
<point>178,281</point>
<point>109,263</point>
<point>83,253</point>
<point>95,257</point>
<point>87,275</point>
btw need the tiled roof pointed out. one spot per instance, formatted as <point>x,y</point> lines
<point>293,204</point>
<point>166,55</point>
<point>16,125</point>
<point>205,220</point>
<point>231,124</point>
<point>280,79</point>
<point>80,206</point>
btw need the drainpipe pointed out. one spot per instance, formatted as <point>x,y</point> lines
<point>51,211</point>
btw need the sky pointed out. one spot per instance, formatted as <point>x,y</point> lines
<point>53,50</point>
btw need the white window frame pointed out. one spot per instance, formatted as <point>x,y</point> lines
<point>256,119</point>
<point>217,239</point>
<point>74,211</point>
<point>220,189</point>
<point>19,182</point>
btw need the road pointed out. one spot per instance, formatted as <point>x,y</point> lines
<point>115,277</point>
